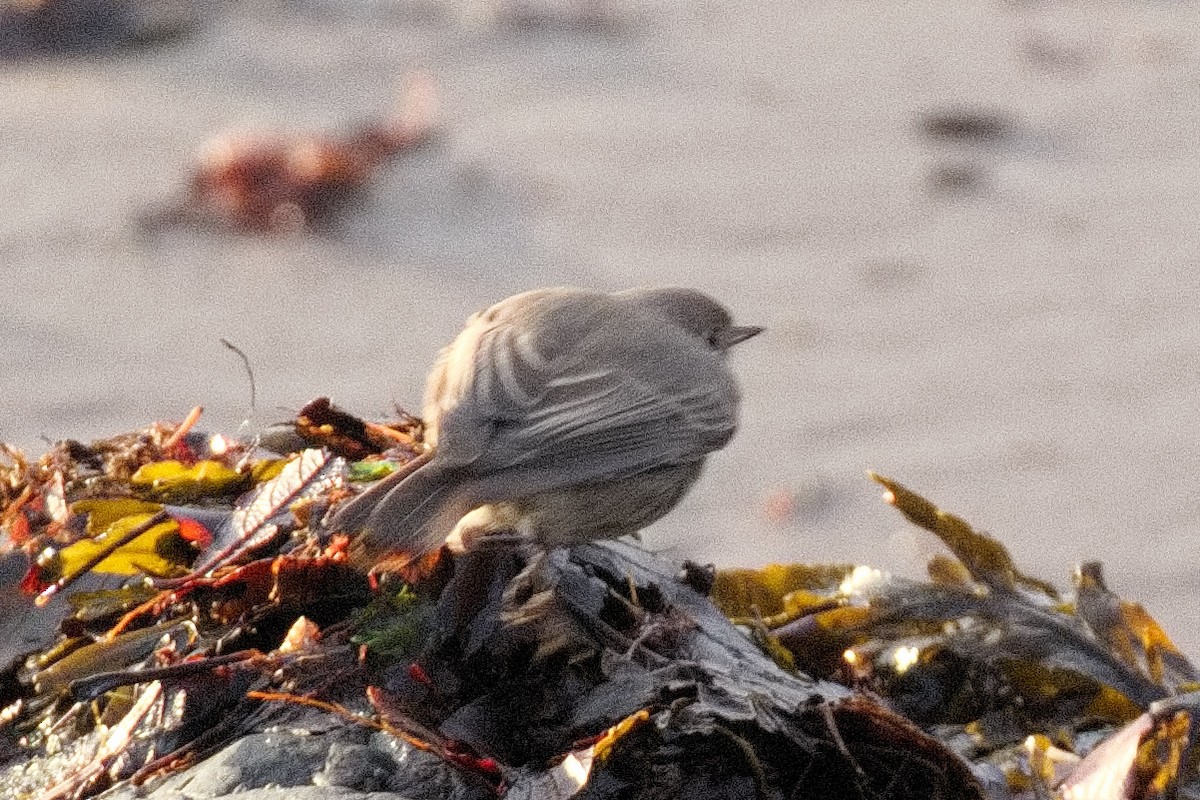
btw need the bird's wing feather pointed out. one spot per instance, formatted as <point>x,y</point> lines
<point>587,418</point>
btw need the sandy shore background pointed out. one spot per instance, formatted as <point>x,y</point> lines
<point>1007,322</point>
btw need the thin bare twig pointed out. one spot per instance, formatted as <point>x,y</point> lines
<point>832,726</point>
<point>249,371</point>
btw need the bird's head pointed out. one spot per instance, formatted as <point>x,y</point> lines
<point>697,313</point>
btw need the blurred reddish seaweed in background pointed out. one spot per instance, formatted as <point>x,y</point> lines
<point>283,182</point>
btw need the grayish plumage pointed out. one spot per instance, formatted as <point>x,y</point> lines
<point>562,414</point>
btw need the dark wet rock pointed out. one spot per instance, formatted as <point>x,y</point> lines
<point>258,760</point>
<point>358,767</point>
<point>420,775</point>
<point>269,793</point>
<point>340,764</point>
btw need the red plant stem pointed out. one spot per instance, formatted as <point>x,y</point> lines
<point>188,423</point>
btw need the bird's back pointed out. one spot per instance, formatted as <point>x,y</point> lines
<point>586,414</point>
<point>568,376</point>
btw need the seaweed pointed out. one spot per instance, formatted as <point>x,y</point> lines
<point>187,593</point>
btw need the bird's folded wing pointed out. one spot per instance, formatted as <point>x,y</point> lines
<point>593,418</point>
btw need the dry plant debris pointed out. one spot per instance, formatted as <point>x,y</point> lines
<point>172,593</point>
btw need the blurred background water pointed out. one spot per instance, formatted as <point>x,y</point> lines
<point>971,228</point>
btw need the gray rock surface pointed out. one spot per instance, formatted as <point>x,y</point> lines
<point>347,763</point>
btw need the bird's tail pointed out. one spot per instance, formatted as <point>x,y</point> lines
<point>407,515</point>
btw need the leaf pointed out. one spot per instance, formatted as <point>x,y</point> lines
<point>144,554</point>
<point>72,562</point>
<point>363,471</point>
<point>604,746</point>
<point>267,468</point>
<point>175,481</point>
<point>738,592</point>
<point>986,558</point>
<point>1129,631</point>
<point>1161,756</point>
<point>104,603</point>
<point>104,511</point>
<point>947,571</point>
<point>105,655</point>
<point>274,496</point>
<point>194,532</point>
<point>1163,658</point>
<point>311,472</point>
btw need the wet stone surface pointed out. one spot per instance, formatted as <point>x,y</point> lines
<point>343,764</point>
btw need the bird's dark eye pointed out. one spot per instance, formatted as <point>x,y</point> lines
<point>714,339</point>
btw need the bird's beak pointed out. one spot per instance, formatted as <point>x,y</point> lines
<point>736,334</point>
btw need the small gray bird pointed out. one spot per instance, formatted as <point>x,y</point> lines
<point>561,415</point>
